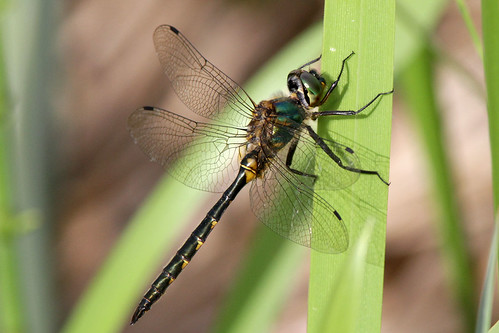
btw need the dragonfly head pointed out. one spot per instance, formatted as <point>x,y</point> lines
<point>307,85</point>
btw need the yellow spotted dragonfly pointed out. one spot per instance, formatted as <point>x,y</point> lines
<point>270,144</point>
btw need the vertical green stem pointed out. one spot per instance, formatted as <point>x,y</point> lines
<point>11,309</point>
<point>419,91</point>
<point>28,32</point>
<point>490,26</point>
<point>367,28</point>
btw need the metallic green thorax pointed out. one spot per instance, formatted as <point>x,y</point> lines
<point>272,127</point>
<point>289,114</point>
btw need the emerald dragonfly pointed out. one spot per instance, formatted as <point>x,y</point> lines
<point>271,144</point>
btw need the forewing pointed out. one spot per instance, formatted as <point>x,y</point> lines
<point>202,87</point>
<point>206,153</point>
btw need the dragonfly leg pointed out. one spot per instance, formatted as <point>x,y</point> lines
<point>335,83</point>
<point>310,62</point>
<point>289,161</point>
<point>348,112</point>
<point>336,159</point>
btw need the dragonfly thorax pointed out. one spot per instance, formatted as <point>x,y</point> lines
<point>274,124</point>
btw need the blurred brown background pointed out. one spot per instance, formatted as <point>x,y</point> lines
<point>111,69</point>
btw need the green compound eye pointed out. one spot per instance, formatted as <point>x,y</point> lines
<point>312,84</point>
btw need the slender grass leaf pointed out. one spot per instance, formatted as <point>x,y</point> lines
<point>465,13</point>
<point>487,296</point>
<point>420,94</point>
<point>346,296</point>
<point>367,28</point>
<point>490,27</point>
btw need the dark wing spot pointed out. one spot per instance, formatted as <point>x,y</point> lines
<point>174,30</point>
<point>349,150</point>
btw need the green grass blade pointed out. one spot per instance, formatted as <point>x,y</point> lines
<point>368,29</point>
<point>11,311</point>
<point>487,296</point>
<point>416,21</point>
<point>490,27</point>
<point>419,93</point>
<point>12,316</point>
<point>495,328</point>
<point>28,34</point>
<point>415,28</point>
<point>345,298</point>
<point>465,13</point>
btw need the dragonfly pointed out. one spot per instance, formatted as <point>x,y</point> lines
<point>271,144</point>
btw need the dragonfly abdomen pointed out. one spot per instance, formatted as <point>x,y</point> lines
<point>195,240</point>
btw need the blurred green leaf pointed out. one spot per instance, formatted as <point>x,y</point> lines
<point>415,23</point>
<point>487,297</point>
<point>465,13</point>
<point>27,284</point>
<point>490,28</point>
<point>419,92</point>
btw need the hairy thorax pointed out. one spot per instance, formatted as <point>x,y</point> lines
<point>274,124</point>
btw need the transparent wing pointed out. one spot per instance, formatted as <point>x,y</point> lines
<point>358,203</point>
<point>311,159</point>
<point>209,151</point>
<point>287,204</point>
<point>202,87</point>
<point>352,154</point>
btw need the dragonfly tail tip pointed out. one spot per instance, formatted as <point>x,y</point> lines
<point>139,312</point>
